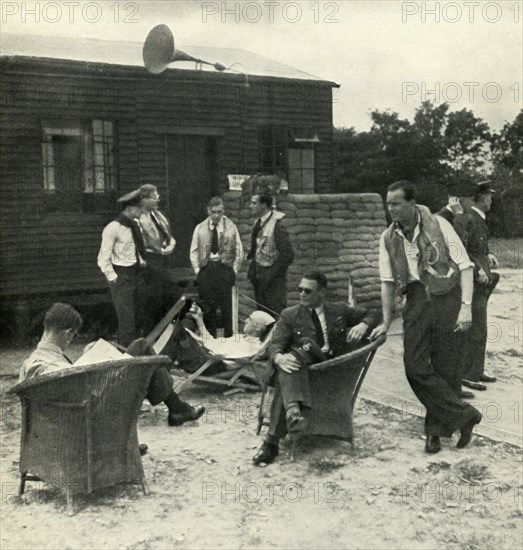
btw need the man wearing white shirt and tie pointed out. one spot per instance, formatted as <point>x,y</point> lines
<point>307,333</point>
<point>216,256</point>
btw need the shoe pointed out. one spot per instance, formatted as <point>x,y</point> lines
<point>143,448</point>
<point>466,430</point>
<point>487,378</point>
<point>266,454</point>
<point>432,444</point>
<point>466,395</point>
<point>177,419</point>
<point>296,422</point>
<point>473,385</point>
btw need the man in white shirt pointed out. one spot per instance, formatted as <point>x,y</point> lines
<point>216,256</point>
<point>422,256</point>
<point>61,324</point>
<point>122,260</point>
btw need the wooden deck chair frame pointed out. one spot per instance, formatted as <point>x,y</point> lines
<point>228,379</point>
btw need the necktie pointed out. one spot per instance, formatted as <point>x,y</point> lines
<point>214,243</point>
<point>254,236</point>
<point>166,238</point>
<point>139,244</point>
<point>320,340</point>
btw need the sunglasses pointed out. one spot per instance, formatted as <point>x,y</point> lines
<point>307,291</point>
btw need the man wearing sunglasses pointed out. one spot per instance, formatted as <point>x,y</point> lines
<point>306,333</point>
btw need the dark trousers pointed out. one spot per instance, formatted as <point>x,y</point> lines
<point>475,342</point>
<point>162,290</point>
<point>161,384</point>
<point>215,282</point>
<point>431,358</point>
<point>270,292</point>
<point>128,293</point>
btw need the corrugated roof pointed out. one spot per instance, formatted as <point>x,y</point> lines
<point>130,54</point>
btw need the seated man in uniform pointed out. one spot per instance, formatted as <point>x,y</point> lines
<point>307,333</point>
<point>61,324</point>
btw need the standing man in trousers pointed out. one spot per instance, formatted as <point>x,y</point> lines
<point>271,254</point>
<point>421,256</point>
<point>216,257</point>
<point>121,260</point>
<point>162,289</point>
<point>472,228</point>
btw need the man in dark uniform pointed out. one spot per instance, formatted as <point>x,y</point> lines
<point>453,205</point>
<point>271,254</point>
<point>471,227</point>
<point>332,329</point>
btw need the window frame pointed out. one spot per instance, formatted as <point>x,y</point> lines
<point>88,197</point>
<point>293,140</point>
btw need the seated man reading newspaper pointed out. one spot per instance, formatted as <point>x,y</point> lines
<point>62,323</point>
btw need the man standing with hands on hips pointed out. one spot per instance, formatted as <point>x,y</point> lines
<point>216,257</point>
<point>422,256</point>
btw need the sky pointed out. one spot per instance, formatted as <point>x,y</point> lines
<point>384,54</point>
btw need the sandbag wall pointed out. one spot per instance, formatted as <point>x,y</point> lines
<point>338,234</point>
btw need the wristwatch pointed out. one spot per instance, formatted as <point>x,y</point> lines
<point>465,303</point>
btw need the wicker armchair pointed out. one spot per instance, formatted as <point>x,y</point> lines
<point>79,425</point>
<point>334,385</point>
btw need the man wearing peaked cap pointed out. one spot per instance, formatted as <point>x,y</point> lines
<point>472,229</point>
<point>133,198</point>
<point>121,259</point>
<point>453,205</point>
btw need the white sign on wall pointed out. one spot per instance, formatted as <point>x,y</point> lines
<point>235,181</point>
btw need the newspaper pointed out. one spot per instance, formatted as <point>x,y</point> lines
<point>101,351</point>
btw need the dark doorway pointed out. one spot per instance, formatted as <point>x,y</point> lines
<point>193,180</point>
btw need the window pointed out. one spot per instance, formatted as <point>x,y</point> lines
<point>290,152</point>
<point>79,166</point>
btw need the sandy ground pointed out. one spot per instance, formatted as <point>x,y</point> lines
<point>205,493</point>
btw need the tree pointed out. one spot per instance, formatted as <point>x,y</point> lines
<point>507,179</point>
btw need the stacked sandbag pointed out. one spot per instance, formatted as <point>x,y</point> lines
<point>338,234</point>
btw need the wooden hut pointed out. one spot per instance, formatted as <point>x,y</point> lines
<point>83,122</point>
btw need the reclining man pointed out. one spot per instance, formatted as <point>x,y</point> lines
<point>192,350</point>
<point>324,329</point>
<point>248,344</point>
<point>61,324</point>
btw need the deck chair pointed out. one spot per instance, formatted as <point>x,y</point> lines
<point>79,425</point>
<point>334,384</point>
<point>230,376</point>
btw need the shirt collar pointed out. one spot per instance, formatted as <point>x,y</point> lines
<point>219,226</point>
<point>399,231</point>
<point>319,310</point>
<point>266,216</point>
<point>46,345</point>
<point>480,212</point>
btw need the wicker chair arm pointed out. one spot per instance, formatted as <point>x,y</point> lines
<point>346,360</point>
<point>157,361</point>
